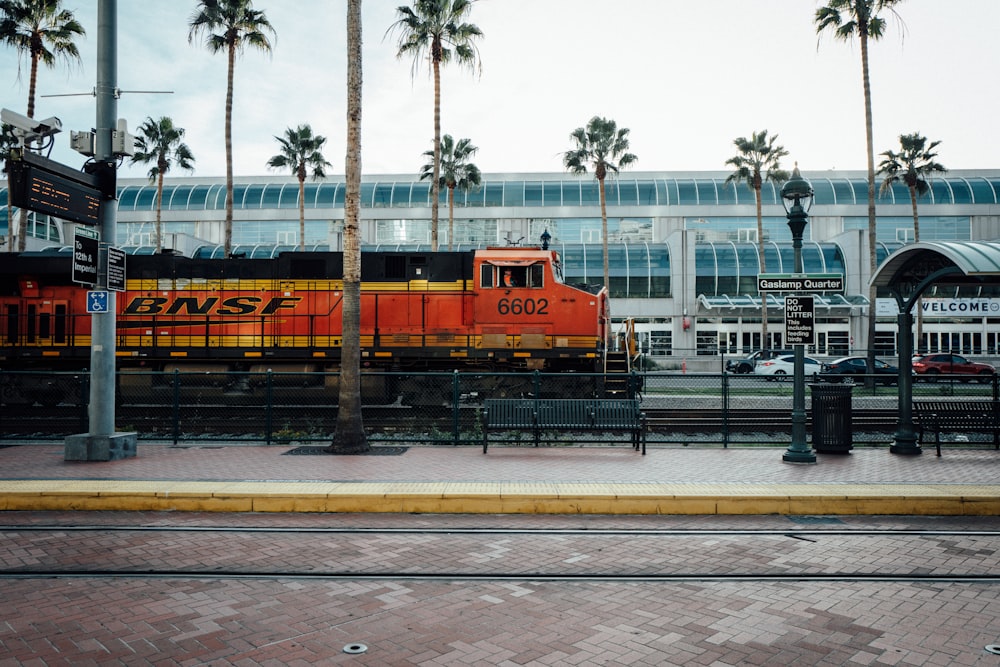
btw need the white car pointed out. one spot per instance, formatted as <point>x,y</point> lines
<point>783,367</point>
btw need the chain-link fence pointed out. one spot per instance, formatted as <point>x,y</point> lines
<point>431,408</point>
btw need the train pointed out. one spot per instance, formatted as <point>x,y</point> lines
<point>487,310</point>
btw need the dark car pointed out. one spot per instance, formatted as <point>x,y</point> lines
<point>748,363</point>
<point>856,369</point>
<point>930,366</point>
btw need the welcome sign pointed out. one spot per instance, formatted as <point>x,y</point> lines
<point>946,307</point>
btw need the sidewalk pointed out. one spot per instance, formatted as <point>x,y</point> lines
<point>435,479</point>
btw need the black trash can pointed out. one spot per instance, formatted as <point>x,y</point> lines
<point>832,431</point>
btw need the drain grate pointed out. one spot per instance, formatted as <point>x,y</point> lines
<point>321,450</point>
<point>812,520</point>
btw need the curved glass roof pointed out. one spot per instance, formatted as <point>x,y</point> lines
<point>568,191</point>
<point>832,190</point>
<point>731,268</point>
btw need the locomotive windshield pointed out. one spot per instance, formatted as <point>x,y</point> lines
<point>512,275</point>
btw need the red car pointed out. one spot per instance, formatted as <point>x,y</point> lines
<point>930,366</point>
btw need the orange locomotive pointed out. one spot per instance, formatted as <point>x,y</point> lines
<point>493,309</point>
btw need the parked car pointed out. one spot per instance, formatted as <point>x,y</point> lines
<point>856,368</point>
<point>747,364</point>
<point>784,366</point>
<point>929,366</point>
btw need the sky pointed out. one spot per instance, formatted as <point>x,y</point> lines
<point>685,77</point>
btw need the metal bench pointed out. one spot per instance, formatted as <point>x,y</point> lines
<point>939,417</point>
<point>565,414</point>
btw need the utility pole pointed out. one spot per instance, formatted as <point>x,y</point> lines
<point>101,442</point>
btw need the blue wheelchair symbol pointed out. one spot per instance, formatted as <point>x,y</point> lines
<point>97,301</point>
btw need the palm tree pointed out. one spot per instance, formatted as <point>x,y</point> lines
<point>301,151</point>
<point>350,435</point>
<point>160,142</point>
<point>605,148</point>
<point>847,18</point>
<point>435,30</point>
<point>230,26</point>
<point>456,172</point>
<point>758,160</point>
<point>44,32</point>
<point>914,163</point>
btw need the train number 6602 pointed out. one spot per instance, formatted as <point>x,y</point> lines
<point>523,306</point>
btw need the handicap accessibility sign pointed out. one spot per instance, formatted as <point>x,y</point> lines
<point>97,301</point>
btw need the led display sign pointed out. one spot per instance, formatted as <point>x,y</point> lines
<point>41,185</point>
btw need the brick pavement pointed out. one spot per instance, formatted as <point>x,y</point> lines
<point>562,464</point>
<point>668,480</point>
<point>272,620</point>
<point>266,619</point>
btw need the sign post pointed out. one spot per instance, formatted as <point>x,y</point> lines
<point>116,269</point>
<point>102,442</point>
<point>800,320</point>
<point>796,197</point>
<point>86,249</point>
<point>800,282</point>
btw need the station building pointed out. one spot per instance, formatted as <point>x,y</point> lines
<point>683,246</point>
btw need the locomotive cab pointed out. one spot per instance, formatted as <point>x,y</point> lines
<point>526,316</point>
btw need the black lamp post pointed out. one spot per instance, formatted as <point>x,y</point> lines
<point>545,238</point>
<point>797,198</point>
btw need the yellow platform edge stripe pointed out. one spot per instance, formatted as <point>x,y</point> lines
<point>503,497</point>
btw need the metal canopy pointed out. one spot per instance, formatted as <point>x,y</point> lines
<point>745,301</point>
<point>907,273</point>
<point>955,261</point>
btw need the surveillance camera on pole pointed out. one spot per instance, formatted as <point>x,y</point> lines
<point>30,129</point>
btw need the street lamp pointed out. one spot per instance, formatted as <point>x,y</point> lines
<point>545,238</point>
<point>797,198</point>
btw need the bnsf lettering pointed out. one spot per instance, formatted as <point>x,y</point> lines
<point>144,305</point>
<point>237,305</point>
<point>191,306</point>
<point>280,302</point>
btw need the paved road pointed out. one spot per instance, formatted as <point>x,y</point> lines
<point>498,590</point>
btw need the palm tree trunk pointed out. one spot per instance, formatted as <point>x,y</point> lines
<point>350,433</point>
<point>604,236</point>
<point>435,184</point>
<point>302,212</point>
<point>228,240</point>
<point>32,83</point>
<point>763,269</point>
<point>22,230</point>
<point>872,236</point>
<point>159,209</point>
<point>451,215</point>
<point>22,225</point>
<point>920,302</point>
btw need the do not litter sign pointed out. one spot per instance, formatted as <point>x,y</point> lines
<point>800,320</point>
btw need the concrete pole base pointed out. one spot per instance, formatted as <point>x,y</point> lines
<point>86,447</point>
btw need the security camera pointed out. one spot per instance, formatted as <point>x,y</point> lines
<point>29,129</point>
<point>50,125</point>
<point>17,121</point>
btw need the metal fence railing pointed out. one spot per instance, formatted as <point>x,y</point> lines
<point>429,408</point>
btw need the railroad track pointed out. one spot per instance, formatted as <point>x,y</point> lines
<point>456,554</point>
